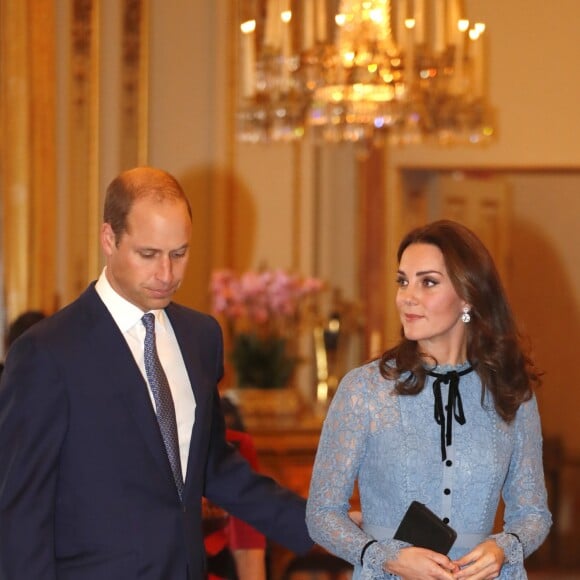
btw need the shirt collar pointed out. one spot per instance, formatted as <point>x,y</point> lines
<point>125,314</point>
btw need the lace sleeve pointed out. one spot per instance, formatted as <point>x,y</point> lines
<point>342,445</point>
<point>524,493</point>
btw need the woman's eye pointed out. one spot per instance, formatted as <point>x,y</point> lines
<point>429,282</point>
<point>402,281</point>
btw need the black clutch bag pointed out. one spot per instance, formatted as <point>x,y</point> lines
<point>422,528</point>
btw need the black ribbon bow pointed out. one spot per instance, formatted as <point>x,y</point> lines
<point>454,405</point>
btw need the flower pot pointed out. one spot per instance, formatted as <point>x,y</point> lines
<point>262,408</point>
<point>262,361</point>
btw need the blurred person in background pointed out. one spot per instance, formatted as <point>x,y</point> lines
<point>19,326</point>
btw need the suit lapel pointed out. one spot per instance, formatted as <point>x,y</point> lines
<point>120,372</point>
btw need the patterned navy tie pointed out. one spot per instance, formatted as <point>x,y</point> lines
<point>163,400</point>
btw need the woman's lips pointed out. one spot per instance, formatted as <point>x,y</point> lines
<point>412,317</point>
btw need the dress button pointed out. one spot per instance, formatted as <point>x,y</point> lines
<point>449,463</point>
<point>445,520</point>
<point>446,491</point>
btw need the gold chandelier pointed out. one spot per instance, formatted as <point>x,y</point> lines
<point>361,70</point>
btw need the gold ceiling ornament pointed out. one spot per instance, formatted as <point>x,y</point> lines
<point>408,71</point>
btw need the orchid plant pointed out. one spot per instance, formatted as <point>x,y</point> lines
<point>263,312</point>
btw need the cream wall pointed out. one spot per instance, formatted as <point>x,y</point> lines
<point>545,278</point>
<point>185,103</point>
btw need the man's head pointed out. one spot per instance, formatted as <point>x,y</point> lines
<point>133,185</point>
<point>145,236</point>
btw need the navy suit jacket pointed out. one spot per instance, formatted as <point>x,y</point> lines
<point>86,490</point>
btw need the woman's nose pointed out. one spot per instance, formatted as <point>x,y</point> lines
<point>408,297</point>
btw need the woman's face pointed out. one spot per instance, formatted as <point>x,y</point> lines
<point>429,306</point>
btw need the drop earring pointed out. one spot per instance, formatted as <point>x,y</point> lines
<point>465,317</point>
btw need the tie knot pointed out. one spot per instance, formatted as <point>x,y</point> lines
<point>149,322</point>
<point>449,376</point>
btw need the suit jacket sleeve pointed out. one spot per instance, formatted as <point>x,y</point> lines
<point>33,422</point>
<point>242,536</point>
<point>231,483</point>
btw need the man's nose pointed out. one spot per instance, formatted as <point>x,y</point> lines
<point>165,269</point>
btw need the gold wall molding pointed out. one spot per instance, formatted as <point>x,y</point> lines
<point>134,83</point>
<point>372,263</point>
<point>28,166</point>
<point>297,203</point>
<point>82,201</point>
<point>87,69</point>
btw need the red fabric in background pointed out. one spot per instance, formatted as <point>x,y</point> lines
<point>242,536</point>
<point>236,534</point>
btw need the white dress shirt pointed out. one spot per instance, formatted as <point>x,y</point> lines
<point>127,316</point>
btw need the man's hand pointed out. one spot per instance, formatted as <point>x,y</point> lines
<point>357,518</point>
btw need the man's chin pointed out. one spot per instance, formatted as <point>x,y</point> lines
<point>160,303</point>
<point>157,302</point>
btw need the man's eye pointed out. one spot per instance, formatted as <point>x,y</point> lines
<point>147,255</point>
<point>177,255</point>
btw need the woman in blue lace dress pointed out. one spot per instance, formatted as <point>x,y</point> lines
<point>447,418</point>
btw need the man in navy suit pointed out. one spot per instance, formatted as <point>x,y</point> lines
<point>87,487</point>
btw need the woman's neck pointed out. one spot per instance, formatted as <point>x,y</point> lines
<point>443,356</point>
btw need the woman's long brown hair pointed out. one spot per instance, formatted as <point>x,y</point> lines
<point>494,345</point>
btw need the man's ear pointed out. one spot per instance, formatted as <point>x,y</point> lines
<point>108,241</point>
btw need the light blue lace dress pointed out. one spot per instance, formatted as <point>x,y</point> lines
<point>392,445</point>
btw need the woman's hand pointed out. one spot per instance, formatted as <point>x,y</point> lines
<point>484,562</point>
<point>421,564</point>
